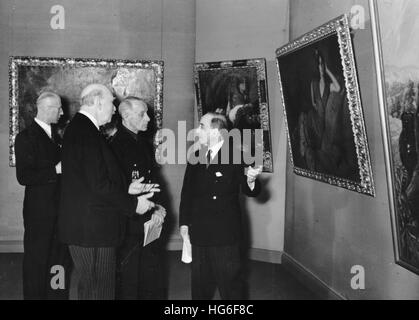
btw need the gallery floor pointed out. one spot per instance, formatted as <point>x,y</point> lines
<point>265,281</point>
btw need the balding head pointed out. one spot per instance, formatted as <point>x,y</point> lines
<point>134,115</point>
<point>48,106</point>
<point>97,100</point>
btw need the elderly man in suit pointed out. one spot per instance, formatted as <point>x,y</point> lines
<point>38,168</point>
<point>140,271</point>
<point>210,212</point>
<point>95,196</point>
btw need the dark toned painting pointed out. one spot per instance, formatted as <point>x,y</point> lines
<point>396,38</point>
<point>30,76</point>
<point>238,90</point>
<point>323,108</point>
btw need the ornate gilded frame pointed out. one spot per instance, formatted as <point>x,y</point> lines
<point>340,27</point>
<point>16,62</point>
<point>259,65</point>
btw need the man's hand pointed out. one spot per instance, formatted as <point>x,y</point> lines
<point>158,215</point>
<point>144,204</point>
<point>220,111</point>
<point>252,174</point>
<point>58,169</point>
<point>137,187</point>
<point>184,233</point>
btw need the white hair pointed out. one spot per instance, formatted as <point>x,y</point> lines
<point>92,91</point>
<point>127,105</point>
<point>46,95</point>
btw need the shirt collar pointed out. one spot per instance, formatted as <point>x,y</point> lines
<point>215,148</point>
<point>46,127</point>
<point>87,114</point>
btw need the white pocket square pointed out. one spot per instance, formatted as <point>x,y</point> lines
<point>218,174</point>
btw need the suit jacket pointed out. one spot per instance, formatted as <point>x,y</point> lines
<point>210,202</point>
<point>94,194</point>
<point>131,149</point>
<point>36,158</point>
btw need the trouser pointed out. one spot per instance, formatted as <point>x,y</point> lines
<point>96,270</point>
<point>217,266</point>
<point>42,251</point>
<point>140,271</point>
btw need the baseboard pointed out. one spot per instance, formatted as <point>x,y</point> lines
<point>263,255</point>
<point>174,244</point>
<point>309,279</point>
<point>11,246</point>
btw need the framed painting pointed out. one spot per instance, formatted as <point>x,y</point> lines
<point>396,35</point>
<point>30,76</point>
<point>237,89</point>
<point>323,112</point>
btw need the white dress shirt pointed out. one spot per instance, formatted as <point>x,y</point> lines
<point>87,114</point>
<point>46,127</point>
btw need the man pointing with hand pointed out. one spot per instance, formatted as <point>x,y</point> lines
<point>210,216</point>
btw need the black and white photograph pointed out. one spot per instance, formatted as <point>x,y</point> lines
<point>208,158</point>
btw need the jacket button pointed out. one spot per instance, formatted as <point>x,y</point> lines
<point>214,197</point>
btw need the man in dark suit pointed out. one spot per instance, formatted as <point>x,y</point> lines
<point>95,196</point>
<point>210,212</point>
<point>140,272</point>
<point>38,168</point>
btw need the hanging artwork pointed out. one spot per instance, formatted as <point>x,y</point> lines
<point>30,76</point>
<point>323,111</point>
<point>238,90</point>
<point>396,36</point>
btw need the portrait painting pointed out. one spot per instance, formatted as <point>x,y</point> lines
<point>238,90</point>
<point>30,76</point>
<point>396,36</point>
<point>323,111</point>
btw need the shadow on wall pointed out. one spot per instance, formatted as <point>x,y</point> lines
<point>246,240</point>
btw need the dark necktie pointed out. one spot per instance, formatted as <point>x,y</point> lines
<point>208,158</point>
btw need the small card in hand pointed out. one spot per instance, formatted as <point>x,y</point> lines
<point>151,232</point>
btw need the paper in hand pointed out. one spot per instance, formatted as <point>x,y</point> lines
<point>151,232</point>
<point>187,251</point>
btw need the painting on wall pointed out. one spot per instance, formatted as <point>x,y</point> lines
<point>323,111</point>
<point>238,90</point>
<point>30,76</point>
<point>396,36</point>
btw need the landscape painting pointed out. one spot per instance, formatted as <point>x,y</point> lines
<point>30,76</point>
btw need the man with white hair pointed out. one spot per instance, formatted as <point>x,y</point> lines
<point>140,272</point>
<point>95,196</point>
<point>38,168</point>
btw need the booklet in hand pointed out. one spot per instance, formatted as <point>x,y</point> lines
<point>151,232</point>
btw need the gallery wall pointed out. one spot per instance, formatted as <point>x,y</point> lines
<point>328,230</point>
<point>124,29</point>
<point>243,29</point>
